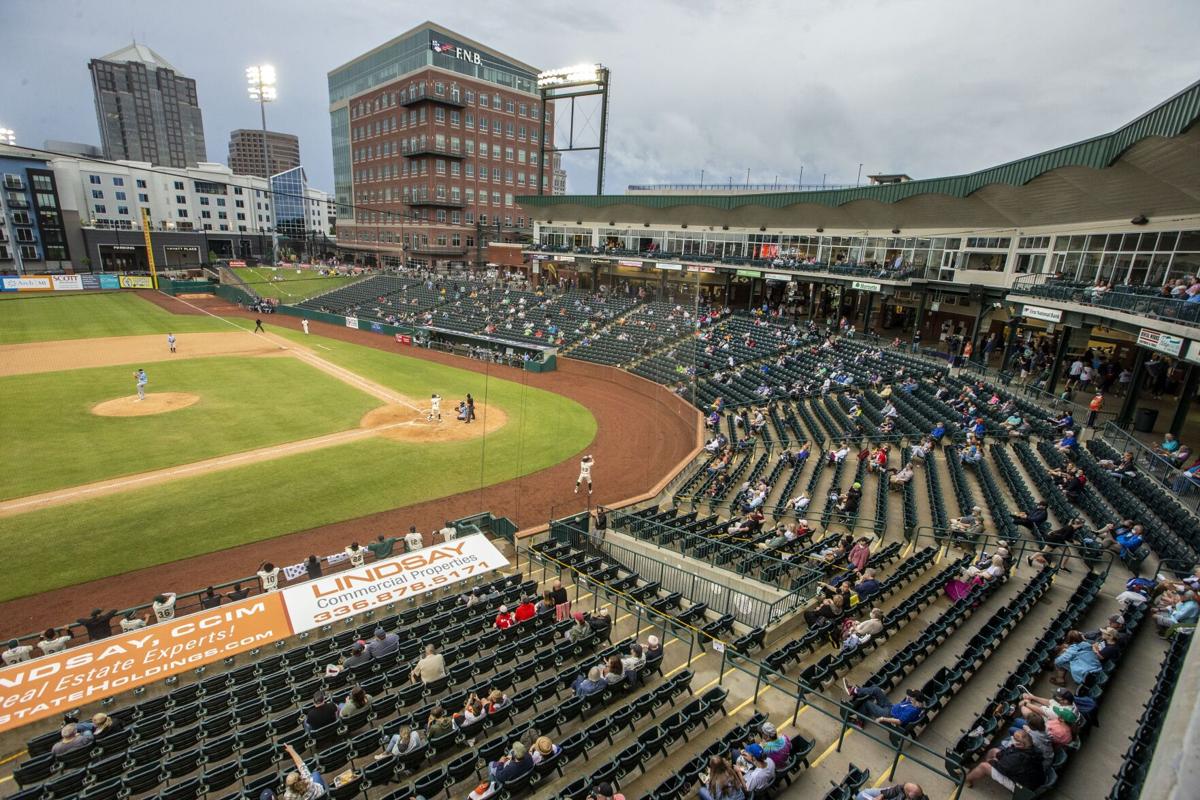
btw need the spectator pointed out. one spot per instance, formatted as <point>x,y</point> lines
<point>1017,764</point>
<point>383,546</point>
<point>543,749</point>
<point>98,624</point>
<point>496,700</point>
<point>871,700</point>
<point>590,684</point>
<point>868,586</point>
<point>73,738</point>
<point>16,653</point>
<point>1032,519</point>
<point>1168,447</point>
<point>855,634</point>
<point>164,607</point>
<point>210,598</point>
<point>759,773</point>
<point>1185,612</point>
<point>970,525</point>
<point>516,764</point>
<point>268,577</point>
<point>431,666</point>
<point>562,604</point>
<point>901,477</point>
<point>613,671</point>
<point>302,784</point>
<point>653,648</point>
<point>604,791</point>
<point>413,540</point>
<point>897,791</point>
<point>505,619</point>
<point>358,656</point>
<point>860,554</point>
<point>356,554</point>
<point>473,710</point>
<point>1068,444</point>
<point>238,593</point>
<point>636,659</point>
<point>938,432</point>
<point>384,644</point>
<point>358,700</point>
<point>132,621</point>
<point>1094,408</point>
<point>525,610</point>
<point>1059,538</point>
<point>407,739</point>
<point>103,725</point>
<point>580,630</point>
<point>1076,657</point>
<point>320,713</point>
<point>995,568</point>
<point>601,624</point>
<point>775,745</point>
<point>312,567</point>
<point>53,643</point>
<point>439,723</point>
<point>723,782</point>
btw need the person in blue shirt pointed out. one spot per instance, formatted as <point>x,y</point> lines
<point>1079,658</point>
<point>1068,443</point>
<point>979,428</point>
<point>939,431</point>
<point>592,684</point>
<point>971,455</point>
<point>1185,612</point>
<point>871,700</point>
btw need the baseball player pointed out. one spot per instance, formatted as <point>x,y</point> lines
<point>304,324</point>
<point>142,380</point>
<point>171,342</point>
<point>585,473</point>
<point>435,407</point>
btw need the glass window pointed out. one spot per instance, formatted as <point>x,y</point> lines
<point>118,181</point>
<point>120,195</point>
<point>97,194</point>
<point>95,179</point>
<point>1189,241</point>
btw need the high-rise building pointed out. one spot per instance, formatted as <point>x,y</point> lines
<point>434,135</point>
<point>246,152</point>
<point>146,110</point>
<point>560,175</point>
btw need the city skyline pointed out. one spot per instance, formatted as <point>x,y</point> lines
<point>848,88</point>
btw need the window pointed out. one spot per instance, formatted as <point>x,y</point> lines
<point>181,213</point>
<point>42,183</point>
<point>120,195</point>
<point>97,194</point>
<point>118,181</point>
<point>143,198</point>
<point>469,121</point>
<point>470,98</point>
<point>123,210</point>
<point>95,179</point>
<point>179,186</point>
<point>508,200</point>
<point>141,184</point>
<point>496,198</point>
<point>203,201</point>
<point>29,251</point>
<point>205,214</point>
<point>484,101</point>
<point>99,209</point>
<point>455,117</point>
<point>524,110</point>
<point>439,115</point>
<point>508,154</point>
<point>220,201</point>
<point>509,107</point>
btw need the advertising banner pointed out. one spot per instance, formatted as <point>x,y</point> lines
<point>52,684</point>
<point>1044,314</point>
<point>624,263</point>
<point>865,286</point>
<point>321,601</point>
<point>136,282</point>
<point>28,283</point>
<point>1162,342</point>
<point>749,273</point>
<point>376,327</point>
<point>404,338</point>
<point>110,282</point>
<point>669,266</point>
<point>67,283</point>
<point>90,281</point>
<point>352,322</point>
<point>705,270</point>
<point>777,276</point>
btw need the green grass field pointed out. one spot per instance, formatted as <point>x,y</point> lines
<point>42,318</point>
<point>245,403</point>
<point>294,286</point>
<point>113,534</point>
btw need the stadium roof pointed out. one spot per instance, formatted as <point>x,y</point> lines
<point>1149,166</point>
<point>138,52</point>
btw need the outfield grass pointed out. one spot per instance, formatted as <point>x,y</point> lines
<point>192,516</point>
<point>40,318</point>
<point>245,403</point>
<point>294,286</point>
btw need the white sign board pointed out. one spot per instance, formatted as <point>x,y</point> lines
<point>623,263</point>
<point>67,283</point>
<point>380,583</point>
<point>352,322</point>
<point>1045,314</point>
<point>865,286</point>
<point>668,266</point>
<point>1162,342</point>
<point>777,276</point>
<point>705,270</point>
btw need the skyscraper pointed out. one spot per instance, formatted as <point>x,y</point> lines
<point>146,110</point>
<point>246,152</point>
<point>434,136</point>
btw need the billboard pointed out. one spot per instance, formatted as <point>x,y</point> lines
<point>136,282</point>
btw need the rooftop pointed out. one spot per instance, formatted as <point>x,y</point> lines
<point>138,52</point>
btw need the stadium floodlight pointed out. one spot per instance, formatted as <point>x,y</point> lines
<point>578,75</point>
<point>260,83</point>
<point>8,136</point>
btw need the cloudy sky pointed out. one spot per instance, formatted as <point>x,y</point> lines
<point>771,86</point>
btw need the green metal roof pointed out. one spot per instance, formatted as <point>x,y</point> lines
<point>1166,120</point>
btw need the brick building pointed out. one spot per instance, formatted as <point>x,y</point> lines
<point>246,152</point>
<point>434,136</point>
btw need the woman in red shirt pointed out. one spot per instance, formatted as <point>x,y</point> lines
<point>525,610</point>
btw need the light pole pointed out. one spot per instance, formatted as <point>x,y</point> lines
<point>8,136</point>
<point>260,85</point>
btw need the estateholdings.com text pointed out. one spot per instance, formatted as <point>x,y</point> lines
<point>398,586</point>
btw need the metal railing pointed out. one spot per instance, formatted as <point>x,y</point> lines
<point>1148,303</point>
<point>740,187</point>
<point>1157,467</point>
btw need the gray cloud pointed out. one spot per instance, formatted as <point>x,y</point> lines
<point>928,88</point>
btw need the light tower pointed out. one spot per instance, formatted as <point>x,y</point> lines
<point>260,85</point>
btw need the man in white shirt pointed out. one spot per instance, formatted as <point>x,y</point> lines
<point>164,607</point>
<point>760,770</point>
<point>268,576</point>
<point>53,643</point>
<point>132,622</point>
<point>357,555</point>
<point>16,653</point>
<point>585,473</point>
<point>413,540</point>
<point>449,532</point>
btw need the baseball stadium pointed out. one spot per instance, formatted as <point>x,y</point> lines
<point>874,492</point>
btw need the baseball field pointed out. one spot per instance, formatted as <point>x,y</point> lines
<point>291,285</point>
<point>242,437</point>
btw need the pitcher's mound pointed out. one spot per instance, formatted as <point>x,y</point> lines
<point>407,424</point>
<point>155,403</point>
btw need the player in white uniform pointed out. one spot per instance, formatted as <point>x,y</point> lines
<point>585,473</point>
<point>171,342</point>
<point>142,380</point>
<point>435,408</point>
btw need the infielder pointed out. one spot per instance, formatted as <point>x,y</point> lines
<point>585,473</point>
<point>171,342</point>
<point>142,380</point>
<point>435,408</point>
<point>304,324</point>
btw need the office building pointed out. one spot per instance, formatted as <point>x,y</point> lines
<point>146,110</point>
<point>246,156</point>
<point>33,235</point>
<point>434,136</point>
<point>560,175</point>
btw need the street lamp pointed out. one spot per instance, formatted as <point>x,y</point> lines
<point>8,136</point>
<point>260,85</point>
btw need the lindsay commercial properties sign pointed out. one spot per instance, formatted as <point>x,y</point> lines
<point>52,684</point>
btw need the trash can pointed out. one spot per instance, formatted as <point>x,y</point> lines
<point>1144,421</point>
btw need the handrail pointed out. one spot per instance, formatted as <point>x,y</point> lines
<point>1161,470</point>
<point>1153,306</point>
